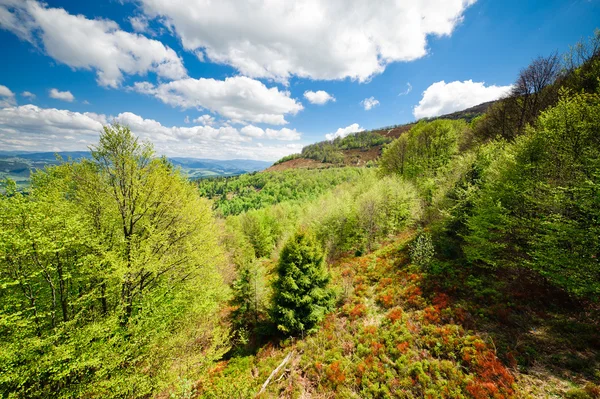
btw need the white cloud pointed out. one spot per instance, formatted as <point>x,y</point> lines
<point>7,97</point>
<point>155,131</point>
<point>443,98</point>
<point>345,131</point>
<point>206,120</point>
<point>283,134</point>
<point>62,95</point>
<point>252,131</point>
<point>139,23</point>
<point>83,43</point>
<point>408,89</point>
<point>318,97</point>
<point>186,119</point>
<point>28,94</point>
<point>318,39</point>
<point>32,128</point>
<point>35,123</point>
<point>238,98</point>
<point>369,103</point>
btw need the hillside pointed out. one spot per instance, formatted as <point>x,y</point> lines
<point>343,152</point>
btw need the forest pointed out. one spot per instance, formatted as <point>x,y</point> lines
<point>464,263</point>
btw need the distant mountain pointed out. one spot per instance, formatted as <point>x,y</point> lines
<point>237,164</point>
<point>51,156</point>
<point>17,165</point>
<point>197,168</point>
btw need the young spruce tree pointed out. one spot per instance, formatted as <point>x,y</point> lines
<point>301,293</point>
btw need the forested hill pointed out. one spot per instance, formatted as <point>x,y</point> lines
<point>362,148</point>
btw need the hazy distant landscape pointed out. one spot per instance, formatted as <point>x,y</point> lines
<point>18,165</point>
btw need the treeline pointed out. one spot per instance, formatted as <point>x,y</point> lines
<point>109,278</point>
<point>331,151</point>
<point>234,195</point>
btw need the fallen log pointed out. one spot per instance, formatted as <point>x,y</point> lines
<point>274,373</point>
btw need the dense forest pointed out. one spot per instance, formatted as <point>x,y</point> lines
<point>464,264</point>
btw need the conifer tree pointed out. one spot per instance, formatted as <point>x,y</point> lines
<point>301,293</point>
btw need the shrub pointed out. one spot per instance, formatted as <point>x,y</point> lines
<point>421,250</point>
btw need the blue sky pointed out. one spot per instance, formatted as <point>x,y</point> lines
<point>227,79</point>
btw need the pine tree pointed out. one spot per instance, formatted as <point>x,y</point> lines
<point>248,296</point>
<point>301,294</point>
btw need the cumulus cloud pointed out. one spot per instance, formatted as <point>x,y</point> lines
<point>32,128</point>
<point>82,43</point>
<point>443,98</point>
<point>319,97</point>
<point>42,126</point>
<point>28,94</point>
<point>317,39</point>
<point>155,131</point>
<point>7,97</point>
<point>206,120</point>
<point>369,103</point>
<point>284,134</point>
<point>345,131</point>
<point>238,98</point>
<point>62,95</point>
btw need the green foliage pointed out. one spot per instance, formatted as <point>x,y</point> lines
<point>421,250</point>
<point>249,297</point>
<point>234,195</point>
<point>287,158</point>
<point>426,148</point>
<point>582,64</point>
<point>350,217</point>
<point>331,151</point>
<point>539,206</point>
<point>301,296</point>
<point>356,218</point>
<point>108,269</point>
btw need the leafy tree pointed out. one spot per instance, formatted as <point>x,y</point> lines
<point>426,148</point>
<point>258,232</point>
<point>108,267</point>
<point>301,293</point>
<point>539,206</point>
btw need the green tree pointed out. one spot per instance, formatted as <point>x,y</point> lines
<point>108,267</point>
<point>301,293</point>
<point>249,296</point>
<point>426,148</point>
<point>538,208</point>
